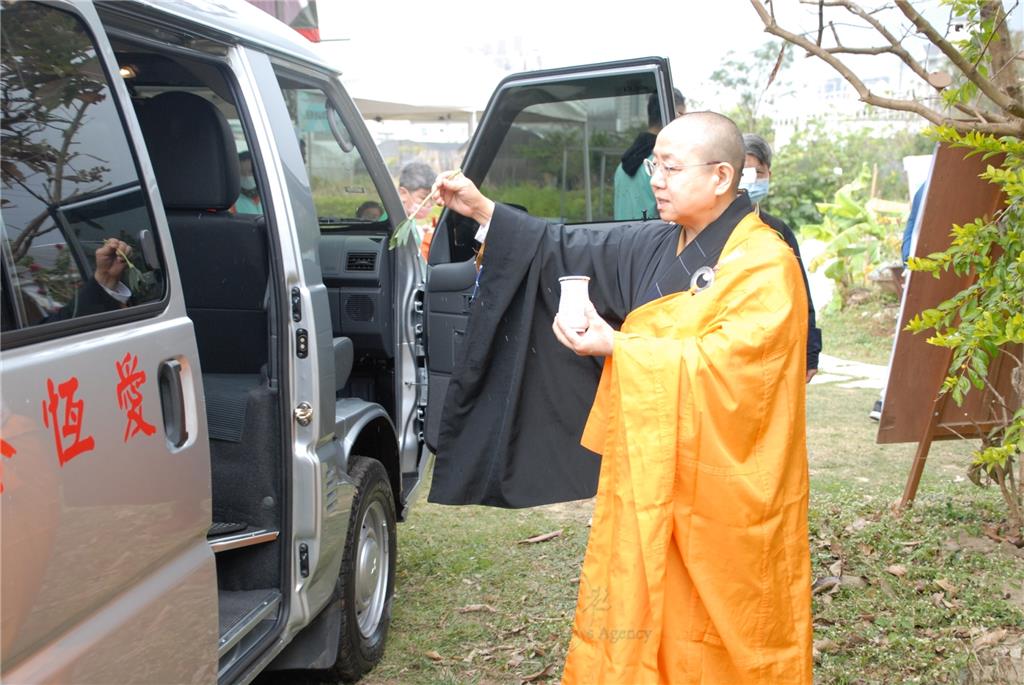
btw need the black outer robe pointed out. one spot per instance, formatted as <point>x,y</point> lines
<point>517,404</point>
<point>813,332</point>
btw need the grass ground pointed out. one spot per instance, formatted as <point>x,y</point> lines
<point>922,597</point>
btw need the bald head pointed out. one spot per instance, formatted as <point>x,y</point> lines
<point>698,159</point>
<point>711,137</point>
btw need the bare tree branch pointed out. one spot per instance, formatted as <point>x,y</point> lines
<point>996,94</point>
<point>821,20</point>
<point>842,50</point>
<point>1012,128</point>
<point>981,115</point>
<point>896,43</point>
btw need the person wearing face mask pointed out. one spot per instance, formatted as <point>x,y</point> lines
<point>248,201</point>
<point>757,173</point>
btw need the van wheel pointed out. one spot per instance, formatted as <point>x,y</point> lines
<point>367,581</point>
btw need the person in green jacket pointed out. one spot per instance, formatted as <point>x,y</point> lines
<point>634,198</point>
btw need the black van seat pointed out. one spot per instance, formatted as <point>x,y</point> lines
<point>222,258</point>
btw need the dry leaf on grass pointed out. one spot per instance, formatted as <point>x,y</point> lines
<point>433,656</point>
<point>826,584</point>
<point>886,588</point>
<point>939,601</point>
<point>950,589</point>
<point>989,638</point>
<point>542,674</point>
<point>836,569</point>
<point>854,582</point>
<point>473,608</point>
<point>824,646</point>
<point>898,570</point>
<point>858,524</point>
<point>541,538</point>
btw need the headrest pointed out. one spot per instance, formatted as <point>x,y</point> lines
<point>192,149</point>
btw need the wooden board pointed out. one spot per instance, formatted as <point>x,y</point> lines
<point>955,196</point>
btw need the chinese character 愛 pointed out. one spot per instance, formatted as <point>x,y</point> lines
<point>129,397</point>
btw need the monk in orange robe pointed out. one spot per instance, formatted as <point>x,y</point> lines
<point>698,565</point>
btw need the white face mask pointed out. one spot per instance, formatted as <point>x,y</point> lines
<point>248,183</point>
<point>748,176</point>
<point>756,189</point>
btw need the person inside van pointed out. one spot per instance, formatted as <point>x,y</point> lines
<point>248,197</point>
<point>370,211</point>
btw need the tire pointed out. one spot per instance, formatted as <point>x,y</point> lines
<point>365,594</point>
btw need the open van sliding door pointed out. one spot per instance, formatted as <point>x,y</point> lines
<point>549,142</point>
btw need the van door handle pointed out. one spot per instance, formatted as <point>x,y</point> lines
<point>172,401</point>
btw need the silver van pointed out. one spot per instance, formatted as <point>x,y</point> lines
<point>214,371</point>
<point>213,384</point>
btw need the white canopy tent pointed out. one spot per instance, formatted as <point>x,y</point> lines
<point>384,110</point>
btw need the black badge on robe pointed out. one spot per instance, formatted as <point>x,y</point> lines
<point>518,401</point>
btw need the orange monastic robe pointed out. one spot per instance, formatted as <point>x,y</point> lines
<point>698,566</point>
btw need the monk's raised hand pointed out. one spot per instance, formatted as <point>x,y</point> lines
<point>111,260</point>
<point>595,341</point>
<point>458,193</point>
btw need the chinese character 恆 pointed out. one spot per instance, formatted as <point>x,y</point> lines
<point>129,398</point>
<point>71,425</point>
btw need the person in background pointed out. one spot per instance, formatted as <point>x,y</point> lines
<point>634,198</point>
<point>758,168</point>
<point>248,201</point>
<point>370,211</point>
<point>909,232</point>
<point>414,184</point>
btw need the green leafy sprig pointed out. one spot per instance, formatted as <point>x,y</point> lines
<point>404,231</point>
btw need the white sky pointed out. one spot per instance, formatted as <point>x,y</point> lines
<point>437,54</point>
<point>435,49</point>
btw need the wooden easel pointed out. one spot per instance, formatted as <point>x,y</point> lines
<point>913,410</point>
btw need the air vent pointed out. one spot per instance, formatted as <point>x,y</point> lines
<point>361,261</point>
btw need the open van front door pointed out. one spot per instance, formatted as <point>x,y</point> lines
<point>550,143</point>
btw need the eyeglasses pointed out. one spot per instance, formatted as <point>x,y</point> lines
<point>652,167</point>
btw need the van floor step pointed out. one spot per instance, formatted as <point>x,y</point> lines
<point>241,611</point>
<point>224,527</point>
<point>249,535</point>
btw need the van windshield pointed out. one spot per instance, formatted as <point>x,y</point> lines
<point>342,188</point>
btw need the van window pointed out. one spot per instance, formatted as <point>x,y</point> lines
<point>342,189</point>
<point>564,142</point>
<point>77,233</point>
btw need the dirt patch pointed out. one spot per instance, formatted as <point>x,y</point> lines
<point>579,511</point>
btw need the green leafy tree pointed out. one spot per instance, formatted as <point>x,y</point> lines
<point>817,162</point>
<point>860,234</point>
